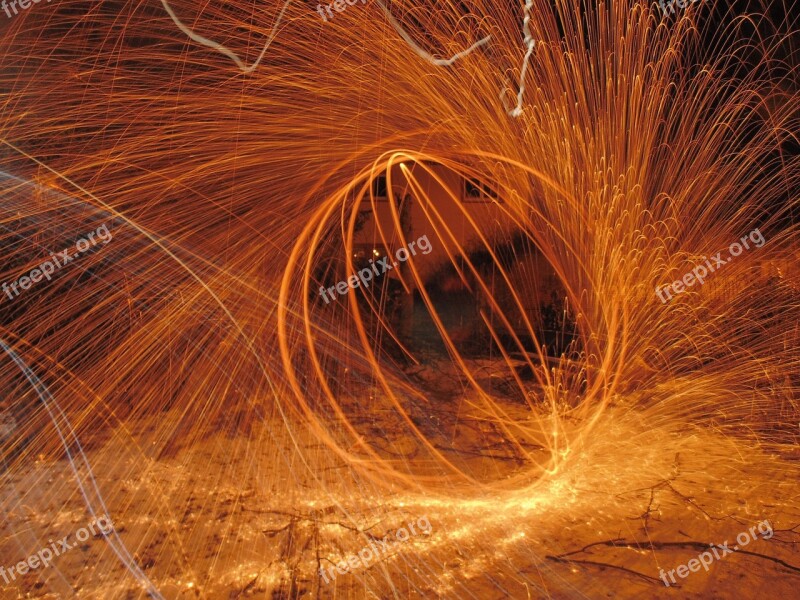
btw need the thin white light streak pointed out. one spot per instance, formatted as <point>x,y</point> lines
<point>530,43</point>
<point>439,62</point>
<point>60,420</point>
<point>219,47</point>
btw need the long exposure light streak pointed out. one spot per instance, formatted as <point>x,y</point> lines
<point>223,49</point>
<point>529,45</point>
<point>521,386</point>
<point>60,420</point>
<point>439,62</point>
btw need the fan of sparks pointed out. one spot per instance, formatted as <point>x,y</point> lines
<point>187,379</point>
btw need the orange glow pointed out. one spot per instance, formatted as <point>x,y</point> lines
<point>188,380</point>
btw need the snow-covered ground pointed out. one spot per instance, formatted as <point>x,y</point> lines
<point>237,516</point>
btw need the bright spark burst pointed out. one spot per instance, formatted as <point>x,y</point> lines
<point>188,381</point>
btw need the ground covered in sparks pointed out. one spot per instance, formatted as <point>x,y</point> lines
<point>236,518</point>
<point>227,379</point>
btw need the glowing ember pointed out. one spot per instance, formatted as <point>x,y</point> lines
<point>262,376</point>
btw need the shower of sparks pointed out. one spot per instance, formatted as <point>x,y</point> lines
<point>92,497</point>
<point>241,434</point>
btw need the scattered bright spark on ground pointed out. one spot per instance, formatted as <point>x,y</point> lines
<point>188,381</point>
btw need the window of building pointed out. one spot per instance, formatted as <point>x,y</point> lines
<point>475,191</point>
<point>379,188</point>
